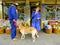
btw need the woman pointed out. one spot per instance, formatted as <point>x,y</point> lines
<point>36,19</point>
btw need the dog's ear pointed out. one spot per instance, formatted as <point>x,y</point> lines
<point>22,24</point>
<point>27,24</point>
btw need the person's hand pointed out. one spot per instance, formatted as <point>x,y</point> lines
<point>38,18</point>
<point>14,22</point>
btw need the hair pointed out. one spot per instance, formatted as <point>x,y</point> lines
<point>37,6</point>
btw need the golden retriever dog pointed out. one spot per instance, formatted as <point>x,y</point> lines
<point>26,30</point>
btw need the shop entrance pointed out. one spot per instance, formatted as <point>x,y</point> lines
<point>32,8</point>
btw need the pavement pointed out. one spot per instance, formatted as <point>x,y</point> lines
<point>44,39</point>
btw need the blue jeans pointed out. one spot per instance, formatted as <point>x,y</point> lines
<point>13,29</point>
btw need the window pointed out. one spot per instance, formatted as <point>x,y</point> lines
<point>50,12</point>
<point>20,9</point>
<point>58,12</point>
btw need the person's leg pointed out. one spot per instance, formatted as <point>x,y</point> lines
<point>13,30</point>
<point>33,24</point>
<point>38,26</point>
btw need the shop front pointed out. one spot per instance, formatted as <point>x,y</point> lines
<point>50,10</point>
<point>24,8</point>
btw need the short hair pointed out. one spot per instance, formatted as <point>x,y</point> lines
<point>37,6</point>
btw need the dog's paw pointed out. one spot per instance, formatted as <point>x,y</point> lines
<point>33,41</point>
<point>37,36</point>
<point>22,38</point>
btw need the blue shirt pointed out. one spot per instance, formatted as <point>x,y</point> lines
<point>12,12</point>
<point>35,16</point>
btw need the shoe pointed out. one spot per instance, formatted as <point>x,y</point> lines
<point>14,39</point>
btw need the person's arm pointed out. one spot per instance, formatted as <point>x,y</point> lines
<point>39,16</point>
<point>33,15</point>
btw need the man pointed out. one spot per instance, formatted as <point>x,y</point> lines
<point>12,14</point>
